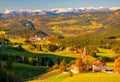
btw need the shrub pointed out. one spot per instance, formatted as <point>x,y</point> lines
<point>70,74</point>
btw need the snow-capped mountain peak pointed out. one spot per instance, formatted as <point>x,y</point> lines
<point>7,11</point>
<point>56,11</point>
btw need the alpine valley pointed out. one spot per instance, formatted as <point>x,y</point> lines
<point>60,45</point>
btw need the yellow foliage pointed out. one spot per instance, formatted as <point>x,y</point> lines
<point>30,60</point>
<point>62,22</point>
<point>117,65</point>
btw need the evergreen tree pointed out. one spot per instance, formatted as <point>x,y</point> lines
<point>9,63</point>
<point>50,62</point>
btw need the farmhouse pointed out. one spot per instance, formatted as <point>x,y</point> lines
<point>74,69</point>
<point>69,48</point>
<point>37,39</point>
<point>98,66</point>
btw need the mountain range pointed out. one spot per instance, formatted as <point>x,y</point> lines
<point>54,12</point>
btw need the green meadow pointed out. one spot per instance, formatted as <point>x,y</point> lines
<point>25,71</point>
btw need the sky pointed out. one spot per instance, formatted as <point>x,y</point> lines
<point>51,4</point>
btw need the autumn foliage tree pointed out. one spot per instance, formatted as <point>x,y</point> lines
<point>81,65</point>
<point>63,65</point>
<point>117,65</point>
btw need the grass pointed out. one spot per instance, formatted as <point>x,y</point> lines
<point>94,77</point>
<point>106,53</point>
<point>25,72</point>
<point>58,78</point>
<point>109,64</point>
<point>55,78</point>
<point>68,53</point>
<point>42,81</point>
<point>2,32</point>
<point>92,26</point>
<point>17,40</point>
<point>11,51</point>
<point>63,22</point>
<point>67,31</point>
<point>87,77</point>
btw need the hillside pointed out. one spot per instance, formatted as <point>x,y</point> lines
<point>63,25</point>
<point>68,25</point>
<point>31,72</point>
<point>113,26</point>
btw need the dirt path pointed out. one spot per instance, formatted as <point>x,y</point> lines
<point>48,75</point>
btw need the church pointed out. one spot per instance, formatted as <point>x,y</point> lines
<point>74,67</point>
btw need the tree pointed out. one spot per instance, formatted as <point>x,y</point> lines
<point>50,62</point>
<point>42,61</point>
<point>9,63</point>
<point>81,65</point>
<point>6,75</point>
<point>1,64</point>
<point>63,65</point>
<point>51,47</point>
<point>117,65</point>
<point>20,47</point>
<point>70,74</point>
<point>55,66</point>
<point>30,60</point>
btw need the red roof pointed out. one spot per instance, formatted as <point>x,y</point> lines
<point>96,63</point>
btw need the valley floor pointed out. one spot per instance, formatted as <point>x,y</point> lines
<point>86,77</point>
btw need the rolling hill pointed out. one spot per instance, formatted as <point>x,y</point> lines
<point>65,25</point>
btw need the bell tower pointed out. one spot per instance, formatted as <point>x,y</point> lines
<point>84,55</point>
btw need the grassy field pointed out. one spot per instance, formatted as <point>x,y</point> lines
<point>24,71</point>
<point>55,78</point>
<point>58,78</point>
<point>11,51</point>
<point>94,77</point>
<point>68,53</point>
<point>72,28</point>
<point>17,40</point>
<point>87,77</point>
<point>2,32</point>
<point>106,53</point>
<point>110,64</point>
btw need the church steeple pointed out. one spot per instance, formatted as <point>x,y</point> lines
<point>84,55</point>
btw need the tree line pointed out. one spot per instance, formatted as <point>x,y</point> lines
<point>6,74</point>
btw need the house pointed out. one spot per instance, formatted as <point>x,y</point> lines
<point>69,48</point>
<point>74,69</point>
<point>98,66</point>
<point>37,39</point>
<point>79,50</point>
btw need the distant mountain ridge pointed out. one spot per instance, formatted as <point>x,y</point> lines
<point>54,12</point>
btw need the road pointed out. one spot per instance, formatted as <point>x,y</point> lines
<point>48,75</point>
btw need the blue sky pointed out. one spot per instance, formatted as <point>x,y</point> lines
<point>50,4</point>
